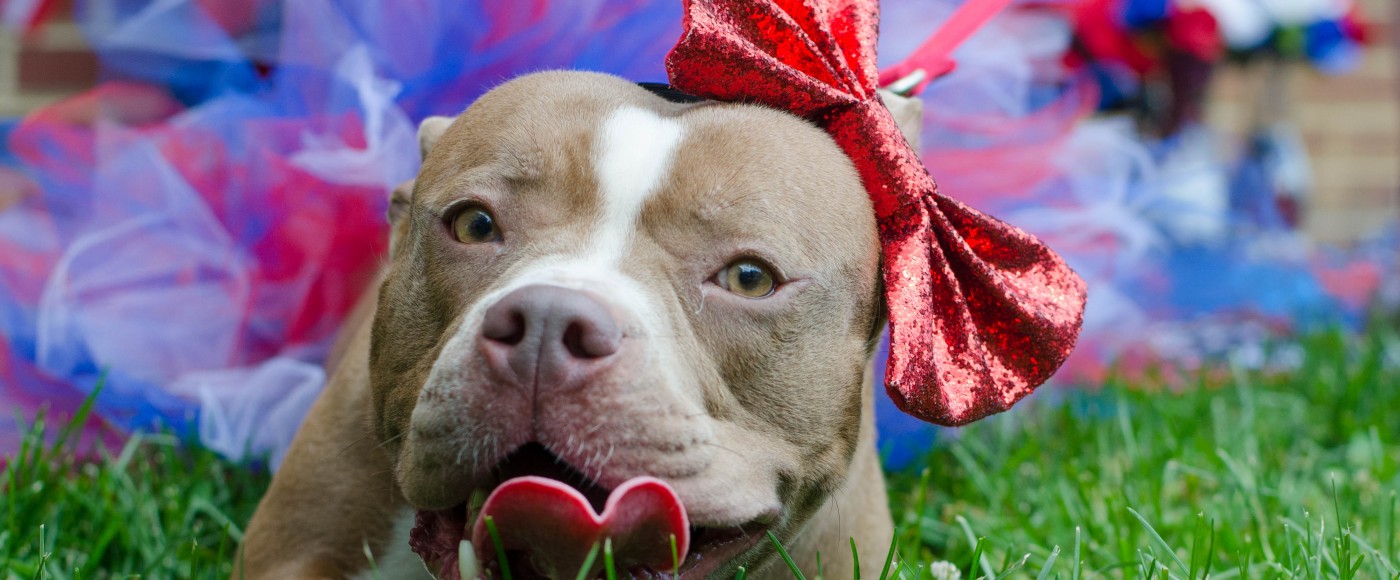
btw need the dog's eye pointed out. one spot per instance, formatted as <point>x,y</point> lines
<point>475,225</point>
<point>748,278</point>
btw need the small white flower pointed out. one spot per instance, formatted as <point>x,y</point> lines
<point>944,571</point>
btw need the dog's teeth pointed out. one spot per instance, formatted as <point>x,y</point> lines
<point>466,561</point>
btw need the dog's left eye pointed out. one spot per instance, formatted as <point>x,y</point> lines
<point>748,277</point>
<point>474,224</point>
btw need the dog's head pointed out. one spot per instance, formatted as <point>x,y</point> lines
<point>591,283</point>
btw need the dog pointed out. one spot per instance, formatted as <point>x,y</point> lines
<point>599,295</point>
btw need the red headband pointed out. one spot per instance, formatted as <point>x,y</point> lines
<point>981,312</point>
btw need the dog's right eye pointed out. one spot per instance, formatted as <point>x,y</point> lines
<point>474,224</point>
<point>748,278</point>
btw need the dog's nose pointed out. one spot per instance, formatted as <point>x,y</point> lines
<point>548,336</point>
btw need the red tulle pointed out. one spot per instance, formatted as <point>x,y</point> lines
<point>980,312</point>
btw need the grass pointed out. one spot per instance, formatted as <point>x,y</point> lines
<point>154,509</point>
<point>1239,474</point>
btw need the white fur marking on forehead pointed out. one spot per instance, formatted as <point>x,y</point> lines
<point>634,152</point>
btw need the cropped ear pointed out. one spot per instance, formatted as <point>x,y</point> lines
<point>429,131</point>
<point>908,114</point>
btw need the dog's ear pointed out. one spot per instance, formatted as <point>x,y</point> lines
<point>398,201</point>
<point>908,114</point>
<point>429,131</point>
<point>398,209</point>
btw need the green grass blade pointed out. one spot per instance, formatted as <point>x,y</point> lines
<point>1078,563</point>
<point>369,557</point>
<point>675,558</point>
<point>889,557</point>
<point>1049,565</point>
<point>1210,551</point>
<point>978,557</point>
<point>500,548</point>
<point>1157,538</point>
<point>588,562</point>
<point>609,567</point>
<point>855,558</point>
<point>68,433</point>
<point>44,555</point>
<point>796,573</point>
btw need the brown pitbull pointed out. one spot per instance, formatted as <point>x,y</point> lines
<point>608,319</point>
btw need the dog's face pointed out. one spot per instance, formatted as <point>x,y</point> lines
<point>591,284</point>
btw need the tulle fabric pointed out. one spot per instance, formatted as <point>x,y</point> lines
<point>191,235</point>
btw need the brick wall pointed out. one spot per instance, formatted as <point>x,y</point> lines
<point>1350,126</point>
<point>45,66</point>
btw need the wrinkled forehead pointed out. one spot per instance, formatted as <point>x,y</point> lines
<point>614,149</point>
<point>548,123</point>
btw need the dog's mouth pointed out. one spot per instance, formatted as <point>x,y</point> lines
<point>548,520</point>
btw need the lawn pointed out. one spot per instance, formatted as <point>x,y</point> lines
<point>1230,473</point>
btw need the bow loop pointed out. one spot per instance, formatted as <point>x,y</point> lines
<point>780,54</point>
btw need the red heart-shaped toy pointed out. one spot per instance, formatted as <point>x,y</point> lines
<point>555,527</point>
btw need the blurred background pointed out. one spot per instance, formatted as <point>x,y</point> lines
<point>1349,123</point>
<point>191,191</point>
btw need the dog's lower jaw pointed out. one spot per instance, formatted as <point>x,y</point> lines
<point>859,510</point>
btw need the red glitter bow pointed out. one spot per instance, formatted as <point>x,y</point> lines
<point>980,312</point>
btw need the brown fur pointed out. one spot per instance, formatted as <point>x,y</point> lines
<point>749,408</point>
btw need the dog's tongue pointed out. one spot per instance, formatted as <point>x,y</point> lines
<point>553,526</point>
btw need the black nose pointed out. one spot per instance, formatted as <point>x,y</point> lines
<point>548,336</point>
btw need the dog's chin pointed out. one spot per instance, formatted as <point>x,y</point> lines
<point>438,535</point>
